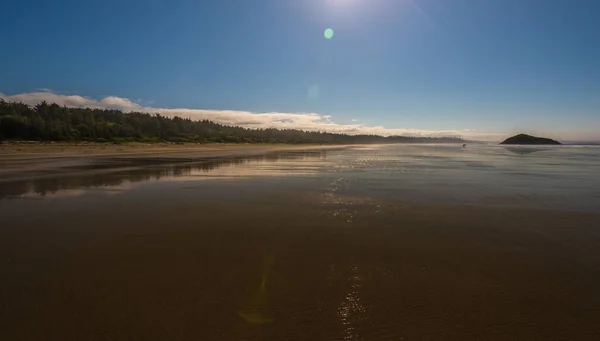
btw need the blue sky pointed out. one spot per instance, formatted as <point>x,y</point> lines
<point>481,68</point>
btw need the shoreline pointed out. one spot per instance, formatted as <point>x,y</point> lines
<point>27,161</point>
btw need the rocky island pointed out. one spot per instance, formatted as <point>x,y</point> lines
<point>524,139</point>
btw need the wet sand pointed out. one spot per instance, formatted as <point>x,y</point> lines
<point>191,271</point>
<point>302,257</point>
<point>36,160</point>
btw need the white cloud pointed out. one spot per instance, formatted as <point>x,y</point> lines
<point>305,121</point>
<point>118,102</point>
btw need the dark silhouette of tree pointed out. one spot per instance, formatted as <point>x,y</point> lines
<point>51,122</point>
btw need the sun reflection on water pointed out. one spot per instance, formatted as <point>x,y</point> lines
<point>351,311</point>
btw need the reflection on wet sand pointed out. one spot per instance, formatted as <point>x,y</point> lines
<point>524,150</point>
<point>352,312</point>
<point>357,256</point>
<point>121,173</point>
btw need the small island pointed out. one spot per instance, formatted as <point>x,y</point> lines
<point>524,139</point>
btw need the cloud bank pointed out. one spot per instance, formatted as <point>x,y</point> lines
<point>304,121</point>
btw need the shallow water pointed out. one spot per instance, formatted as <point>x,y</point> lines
<point>366,243</point>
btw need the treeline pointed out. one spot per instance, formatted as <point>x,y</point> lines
<point>51,122</point>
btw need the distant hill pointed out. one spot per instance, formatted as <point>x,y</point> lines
<point>524,139</point>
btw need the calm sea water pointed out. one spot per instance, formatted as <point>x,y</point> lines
<point>564,177</point>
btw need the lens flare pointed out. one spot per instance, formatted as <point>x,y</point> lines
<point>328,33</point>
<point>257,310</point>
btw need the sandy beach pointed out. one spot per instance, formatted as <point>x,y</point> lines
<point>346,244</point>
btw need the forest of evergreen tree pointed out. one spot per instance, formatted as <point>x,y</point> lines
<point>51,122</point>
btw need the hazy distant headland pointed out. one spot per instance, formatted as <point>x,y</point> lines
<point>524,139</point>
<point>51,122</point>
